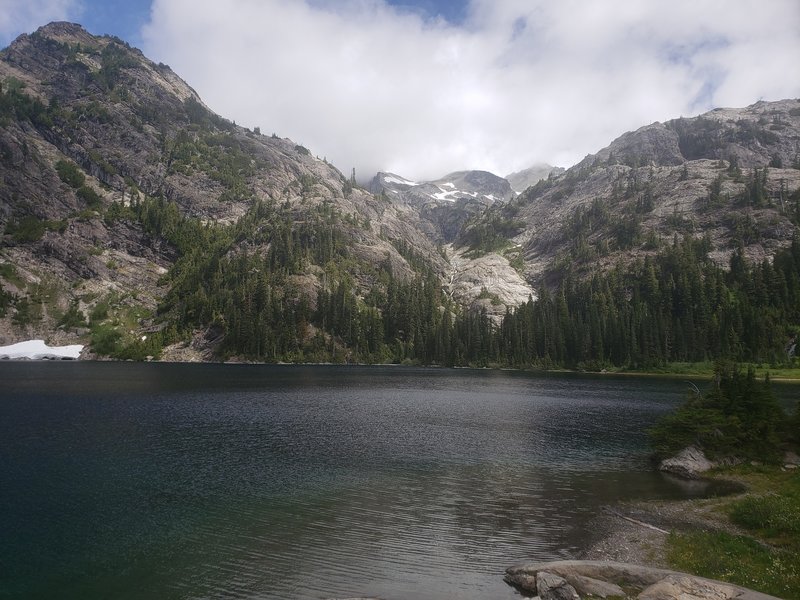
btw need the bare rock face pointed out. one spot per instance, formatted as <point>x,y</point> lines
<point>651,144</point>
<point>522,180</point>
<point>689,463</point>
<point>487,281</point>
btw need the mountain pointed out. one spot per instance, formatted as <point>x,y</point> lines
<point>447,202</point>
<point>522,180</point>
<point>138,222</point>
<point>121,191</point>
<point>460,185</point>
<point>731,175</point>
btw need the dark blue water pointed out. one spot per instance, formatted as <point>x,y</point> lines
<point>122,480</point>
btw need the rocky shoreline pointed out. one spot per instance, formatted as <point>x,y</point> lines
<point>627,558</point>
<point>576,579</point>
<point>636,532</point>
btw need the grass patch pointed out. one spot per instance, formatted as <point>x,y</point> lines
<point>766,557</point>
<point>706,369</point>
<point>737,559</point>
<point>773,515</point>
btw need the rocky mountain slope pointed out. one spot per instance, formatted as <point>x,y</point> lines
<point>91,129</point>
<point>522,180</point>
<point>732,175</point>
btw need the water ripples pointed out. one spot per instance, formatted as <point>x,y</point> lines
<point>297,482</point>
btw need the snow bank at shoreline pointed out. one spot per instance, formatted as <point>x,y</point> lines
<point>38,350</point>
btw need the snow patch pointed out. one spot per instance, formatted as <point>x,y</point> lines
<point>444,195</point>
<point>38,350</point>
<point>399,180</point>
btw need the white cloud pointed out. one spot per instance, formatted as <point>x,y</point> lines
<point>520,81</point>
<point>21,16</point>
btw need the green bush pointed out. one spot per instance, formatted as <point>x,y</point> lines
<point>89,196</point>
<point>28,312</point>
<point>27,229</point>
<point>70,174</point>
<point>99,312</point>
<point>73,317</point>
<point>139,349</point>
<point>105,340</point>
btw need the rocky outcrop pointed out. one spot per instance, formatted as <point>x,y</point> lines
<point>652,144</point>
<point>689,463</point>
<point>610,579</point>
<point>486,282</point>
<point>589,586</point>
<point>791,460</point>
<point>682,586</point>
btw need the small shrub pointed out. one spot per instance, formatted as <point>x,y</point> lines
<point>70,174</point>
<point>89,196</point>
<point>27,312</point>
<point>73,317</point>
<point>27,229</point>
<point>105,340</point>
<point>99,312</point>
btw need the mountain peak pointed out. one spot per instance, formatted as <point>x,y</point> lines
<point>63,32</point>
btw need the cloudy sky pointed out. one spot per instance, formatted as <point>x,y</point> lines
<point>424,87</point>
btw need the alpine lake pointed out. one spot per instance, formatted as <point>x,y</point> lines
<point>137,480</point>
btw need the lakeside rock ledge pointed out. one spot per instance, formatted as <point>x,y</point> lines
<point>689,463</point>
<point>576,579</point>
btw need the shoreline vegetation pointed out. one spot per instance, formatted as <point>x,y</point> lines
<point>700,371</point>
<point>750,538</point>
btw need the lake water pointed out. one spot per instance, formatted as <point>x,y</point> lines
<point>123,480</point>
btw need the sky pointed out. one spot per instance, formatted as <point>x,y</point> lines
<point>425,87</point>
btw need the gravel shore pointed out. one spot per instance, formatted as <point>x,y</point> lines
<point>636,532</point>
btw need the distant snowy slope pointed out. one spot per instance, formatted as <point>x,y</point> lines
<point>460,185</point>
